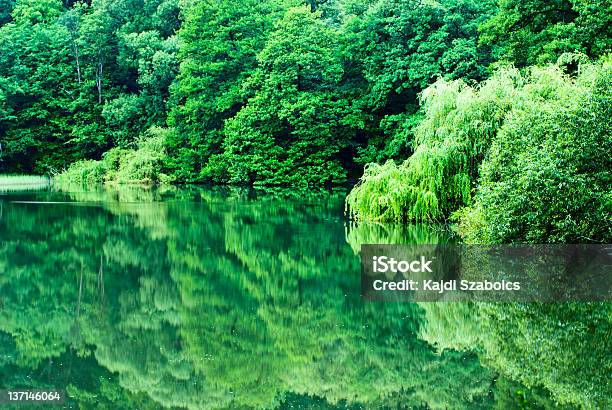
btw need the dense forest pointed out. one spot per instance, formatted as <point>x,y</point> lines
<point>494,113</point>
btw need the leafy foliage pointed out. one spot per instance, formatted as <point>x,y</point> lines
<point>141,166</point>
<point>400,48</point>
<point>297,123</point>
<point>539,31</point>
<point>547,176</point>
<point>77,79</point>
<point>276,92</point>
<point>460,122</point>
<point>496,114</point>
<point>219,45</point>
<point>533,147</point>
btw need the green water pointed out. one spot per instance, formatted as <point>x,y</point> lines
<point>215,299</point>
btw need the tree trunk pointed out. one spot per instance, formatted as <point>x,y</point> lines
<point>99,68</point>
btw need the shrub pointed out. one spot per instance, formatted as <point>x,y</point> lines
<point>83,172</point>
<point>141,166</point>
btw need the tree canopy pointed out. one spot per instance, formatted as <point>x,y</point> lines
<point>273,92</point>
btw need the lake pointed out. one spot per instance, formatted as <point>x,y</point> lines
<point>232,299</point>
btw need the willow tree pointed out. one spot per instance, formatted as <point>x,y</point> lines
<point>454,136</point>
<point>547,129</point>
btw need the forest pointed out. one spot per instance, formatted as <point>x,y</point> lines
<point>169,282</point>
<point>493,114</point>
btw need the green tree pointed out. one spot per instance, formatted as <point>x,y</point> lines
<point>6,8</point>
<point>219,43</point>
<point>37,88</point>
<point>404,46</point>
<point>79,79</point>
<point>547,176</point>
<point>299,120</point>
<point>517,140</point>
<point>539,31</point>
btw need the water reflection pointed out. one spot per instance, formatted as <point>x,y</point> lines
<point>219,299</point>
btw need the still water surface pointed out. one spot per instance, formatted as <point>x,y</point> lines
<point>210,299</point>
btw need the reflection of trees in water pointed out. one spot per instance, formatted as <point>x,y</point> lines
<point>219,303</point>
<point>564,348</point>
<point>358,234</point>
<point>52,303</point>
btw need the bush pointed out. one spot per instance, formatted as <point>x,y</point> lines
<point>140,166</point>
<point>83,172</point>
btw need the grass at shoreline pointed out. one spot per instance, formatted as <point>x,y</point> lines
<point>22,182</point>
<point>22,179</point>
